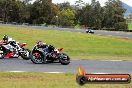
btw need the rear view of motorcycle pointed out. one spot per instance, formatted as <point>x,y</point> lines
<point>23,52</point>
<point>49,54</point>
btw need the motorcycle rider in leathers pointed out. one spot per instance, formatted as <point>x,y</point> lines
<point>46,48</point>
<point>42,45</point>
<point>14,47</point>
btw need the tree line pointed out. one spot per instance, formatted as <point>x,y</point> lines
<point>65,15</point>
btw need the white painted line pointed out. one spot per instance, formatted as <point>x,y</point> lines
<point>16,71</point>
<point>111,60</point>
<point>54,72</point>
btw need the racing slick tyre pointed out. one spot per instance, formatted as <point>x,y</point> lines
<point>64,59</point>
<point>1,53</point>
<point>38,58</point>
<point>26,55</point>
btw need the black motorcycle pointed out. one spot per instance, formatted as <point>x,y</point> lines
<point>49,55</point>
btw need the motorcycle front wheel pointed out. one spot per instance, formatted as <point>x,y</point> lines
<point>64,59</point>
<point>1,53</point>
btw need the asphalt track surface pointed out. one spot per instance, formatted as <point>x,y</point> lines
<point>96,32</point>
<point>91,66</point>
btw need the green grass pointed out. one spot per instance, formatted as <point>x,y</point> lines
<point>130,26</point>
<point>43,80</point>
<point>76,45</point>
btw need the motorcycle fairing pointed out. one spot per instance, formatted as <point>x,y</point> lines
<point>2,43</point>
<point>23,44</point>
<point>9,55</point>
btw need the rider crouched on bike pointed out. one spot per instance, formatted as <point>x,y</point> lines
<point>45,47</point>
<point>11,42</point>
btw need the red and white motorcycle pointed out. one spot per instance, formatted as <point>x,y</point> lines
<point>8,51</point>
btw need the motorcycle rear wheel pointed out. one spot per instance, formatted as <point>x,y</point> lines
<point>38,58</point>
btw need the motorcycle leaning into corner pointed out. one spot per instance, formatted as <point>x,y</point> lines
<point>13,49</point>
<point>48,54</point>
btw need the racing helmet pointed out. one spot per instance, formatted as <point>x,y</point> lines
<point>39,43</point>
<point>5,38</point>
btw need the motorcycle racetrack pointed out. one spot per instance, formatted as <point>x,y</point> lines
<point>110,56</point>
<point>91,66</point>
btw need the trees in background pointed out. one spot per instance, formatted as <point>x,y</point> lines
<point>13,11</point>
<point>113,14</point>
<point>66,15</point>
<point>45,12</point>
<point>92,15</point>
<point>66,18</point>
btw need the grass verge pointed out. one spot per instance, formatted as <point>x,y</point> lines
<point>43,80</point>
<point>76,45</point>
<point>130,26</point>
